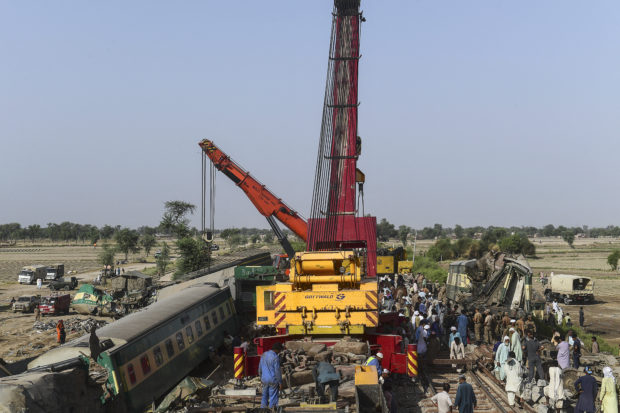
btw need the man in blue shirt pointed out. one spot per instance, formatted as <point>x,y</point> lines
<point>326,375</point>
<point>461,322</point>
<point>270,376</point>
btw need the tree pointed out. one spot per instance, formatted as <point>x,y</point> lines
<point>459,232</point>
<point>148,241</point>
<point>255,238</point>
<point>385,230</point>
<point>194,255</point>
<point>269,238</point>
<point>163,260</point>
<point>403,233</point>
<point>34,231</point>
<point>613,259</point>
<point>517,244</point>
<point>569,237</point>
<point>106,256</point>
<point>107,232</point>
<point>174,220</point>
<point>127,241</point>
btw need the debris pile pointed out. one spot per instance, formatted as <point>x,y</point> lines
<point>74,325</point>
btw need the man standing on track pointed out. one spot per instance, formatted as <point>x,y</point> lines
<point>478,326</point>
<point>465,398</point>
<point>461,323</point>
<point>488,327</point>
<point>270,376</point>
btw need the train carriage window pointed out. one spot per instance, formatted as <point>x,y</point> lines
<point>158,356</point>
<point>190,334</point>
<point>228,308</point>
<point>169,348</point>
<point>222,316</point>
<point>198,326</point>
<point>180,341</point>
<point>132,374</point>
<point>146,364</point>
<point>207,323</point>
<point>214,317</point>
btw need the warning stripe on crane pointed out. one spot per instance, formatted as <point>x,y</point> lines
<point>373,318</point>
<point>279,319</point>
<point>279,303</point>
<point>371,296</point>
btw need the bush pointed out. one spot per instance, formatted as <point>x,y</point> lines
<point>429,268</point>
<point>613,259</point>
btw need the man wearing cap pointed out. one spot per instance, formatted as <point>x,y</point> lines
<point>465,397</point>
<point>513,377</point>
<point>326,375</point>
<point>375,361</point>
<point>270,376</point>
<point>488,327</point>
<point>587,388</point>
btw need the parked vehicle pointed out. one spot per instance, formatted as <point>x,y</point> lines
<point>31,273</point>
<point>55,271</point>
<point>55,304</point>
<point>26,303</point>
<point>569,288</point>
<point>64,283</point>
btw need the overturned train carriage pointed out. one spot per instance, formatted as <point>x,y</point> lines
<point>148,352</point>
<point>496,281</point>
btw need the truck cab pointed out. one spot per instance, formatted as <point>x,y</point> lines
<point>65,283</point>
<point>55,304</point>
<point>55,271</point>
<point>26,303</point>
<point>31,273</point>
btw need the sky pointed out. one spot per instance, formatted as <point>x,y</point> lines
<point>472,112</point>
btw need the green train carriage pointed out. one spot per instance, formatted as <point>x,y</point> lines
<point>148,352</point>
<point>162,345</point>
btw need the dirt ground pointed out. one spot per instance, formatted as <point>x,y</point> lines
<point>18,339</point>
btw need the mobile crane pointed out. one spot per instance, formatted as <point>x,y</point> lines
<point>269,205</point>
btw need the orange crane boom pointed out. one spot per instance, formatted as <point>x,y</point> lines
<point>264,200</point>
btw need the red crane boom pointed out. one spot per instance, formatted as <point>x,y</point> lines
<point>264,200</point>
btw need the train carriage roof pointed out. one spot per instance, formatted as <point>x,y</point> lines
<point>134,324</point>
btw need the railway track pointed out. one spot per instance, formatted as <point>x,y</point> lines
<point>489,392</point>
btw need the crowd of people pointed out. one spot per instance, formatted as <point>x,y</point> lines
<point>429,322</point>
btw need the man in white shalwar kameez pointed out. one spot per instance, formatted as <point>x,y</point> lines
<point>501,355</point>
<point>555,390</point>
<point>515,344</point>
<point>514,376</point>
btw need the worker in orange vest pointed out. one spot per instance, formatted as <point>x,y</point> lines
<point>60,331</point>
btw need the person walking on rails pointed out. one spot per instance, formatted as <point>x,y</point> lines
<point>270,376</point>
<point>465,397</point>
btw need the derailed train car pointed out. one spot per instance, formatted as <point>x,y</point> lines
<point>148,352</point>
<point>496,280</point>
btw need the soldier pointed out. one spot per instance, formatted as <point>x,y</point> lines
<point>488,327</point>
<point>37,313</point>
<point>478,326</point>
